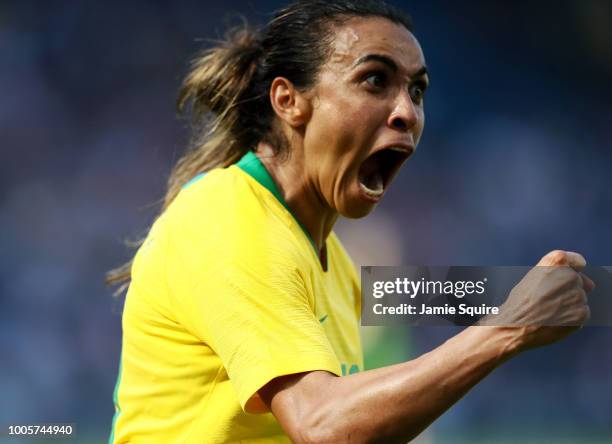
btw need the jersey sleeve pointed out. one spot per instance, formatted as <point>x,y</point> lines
<point>245,298</point>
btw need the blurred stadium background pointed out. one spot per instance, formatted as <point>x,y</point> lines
<point>516,160</point>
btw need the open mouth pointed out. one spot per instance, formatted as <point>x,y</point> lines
<point>377,171</point>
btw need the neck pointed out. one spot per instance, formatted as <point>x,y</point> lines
<point>302,197</point>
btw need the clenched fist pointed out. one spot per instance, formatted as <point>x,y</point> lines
<point>550,302</point>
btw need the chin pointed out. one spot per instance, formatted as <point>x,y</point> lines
<point>356,210</point>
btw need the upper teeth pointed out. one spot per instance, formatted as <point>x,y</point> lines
<point>399,148</point>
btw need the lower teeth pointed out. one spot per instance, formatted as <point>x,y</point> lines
<point>375,185</point>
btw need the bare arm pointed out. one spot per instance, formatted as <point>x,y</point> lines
<point>396,403</point>
<point>389,404</point>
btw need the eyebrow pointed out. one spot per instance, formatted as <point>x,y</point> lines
<point>387,61</point>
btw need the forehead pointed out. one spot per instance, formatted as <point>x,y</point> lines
<point>361,36</point>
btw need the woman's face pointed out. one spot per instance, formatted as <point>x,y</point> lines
<point>367,113</point>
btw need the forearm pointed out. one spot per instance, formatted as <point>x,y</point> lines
<point>395,403</point>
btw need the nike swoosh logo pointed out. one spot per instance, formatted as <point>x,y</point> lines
<point>323,319</point>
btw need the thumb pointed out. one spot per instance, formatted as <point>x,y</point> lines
<point>560,257</point>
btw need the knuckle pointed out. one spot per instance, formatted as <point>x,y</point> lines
<point>557,257</point>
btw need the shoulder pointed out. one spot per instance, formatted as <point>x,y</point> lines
<point>222,200</point>
<point>219,194</point>
<point>227,213</point>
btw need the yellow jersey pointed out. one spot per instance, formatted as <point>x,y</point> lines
<point>228,293</point>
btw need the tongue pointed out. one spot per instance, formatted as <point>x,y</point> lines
<point>370,175</point>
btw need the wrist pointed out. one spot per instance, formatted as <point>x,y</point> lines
<point>505,342</point>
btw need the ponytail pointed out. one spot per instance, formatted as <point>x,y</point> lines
<point>215,92</point>
<point>217,88</point>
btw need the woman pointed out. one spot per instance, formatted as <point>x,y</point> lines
<point>242,309</point>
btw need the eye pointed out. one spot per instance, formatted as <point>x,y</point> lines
<point>376,79</point>
<point>417,91</point>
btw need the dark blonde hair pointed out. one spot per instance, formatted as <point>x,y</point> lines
<point>226,90</point>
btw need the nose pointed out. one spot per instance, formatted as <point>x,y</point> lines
<point>404,115</point>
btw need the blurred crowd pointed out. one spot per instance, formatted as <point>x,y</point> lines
<point>515,161</point>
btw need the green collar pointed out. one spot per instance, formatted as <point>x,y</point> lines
<point>250,164</point>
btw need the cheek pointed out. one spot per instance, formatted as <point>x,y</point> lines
<point>334,118</point>
<point>345,125</point>
<point>331,136</point>
<point>420,126</point>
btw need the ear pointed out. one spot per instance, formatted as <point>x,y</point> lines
<point>289,104</point>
